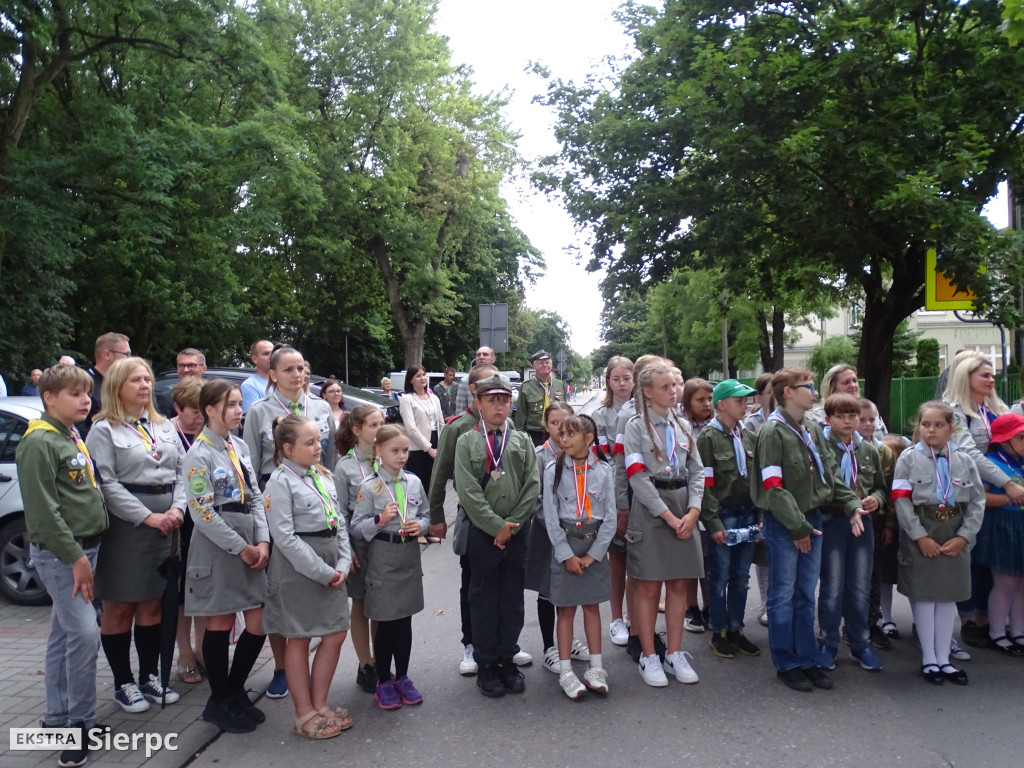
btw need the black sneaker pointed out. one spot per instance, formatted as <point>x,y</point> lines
<point>721,646</point>
<point>72,758</point>
<point>705,617</point>
<point>795,679</point>
<point>694,620</point>
<point>878,638</point>
<point>512,679</point>
<point>366,678</point>
<point>659,647</point>
<point>742,644</point>
<point>488,682</point>
<point>227,717</point>
<point>818,677</point>
<point>634,649</point>
<point>243,703</point>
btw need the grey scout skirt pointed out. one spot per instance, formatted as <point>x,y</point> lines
<point>538,558</point>
<point>940,579</point>
<point>653,552</point>
<point>299,607</point>
<point>394,580</point>
<point>217,582</point>
<point>130,556</point>
<point>592,587</point>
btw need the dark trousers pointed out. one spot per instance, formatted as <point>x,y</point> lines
<point>467,623</point>
<point>496,586</point>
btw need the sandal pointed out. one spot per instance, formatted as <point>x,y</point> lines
<point>1005,645</point>
<point>339,715</point>
<point>890,630</point>
<point>933,674</point>
<point>189,673</point>
<point>323,727</point>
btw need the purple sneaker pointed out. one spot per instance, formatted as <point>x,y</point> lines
<point>386,696</point>
<point>407,691</point>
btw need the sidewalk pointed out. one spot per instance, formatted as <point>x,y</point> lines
<point>23,633</point>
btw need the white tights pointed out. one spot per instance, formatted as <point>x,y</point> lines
<point>1006,605</point>
<point>935,622</point>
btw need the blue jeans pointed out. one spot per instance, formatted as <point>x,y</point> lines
<point>845,589</point>
<point>729,572</point>
<point>73,645</point>
<point>792,578</point>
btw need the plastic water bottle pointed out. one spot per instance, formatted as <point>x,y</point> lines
<point>751,533</point>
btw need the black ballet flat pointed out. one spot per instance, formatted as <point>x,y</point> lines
<point>954,675</point>
<point>933,674</point>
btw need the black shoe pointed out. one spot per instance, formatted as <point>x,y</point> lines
<point>242,703</point>
<point>721,646</point>
<point>818,677</point>
<point>694,620</point>
<point>1011,649</point>
<point>366,678</point>
<point>933,674</point>
<point>742,644</point>
<point>705,617</point>
<point>954,675</point>
<point>488,682</point>
<point>796,679</point>
<point>973,635</point>
<point>878,638</point>
<point>72,758</point>
<point>634,649</point>
<point>659,647</point>
<point>512,679</point>
<point>228,718</point>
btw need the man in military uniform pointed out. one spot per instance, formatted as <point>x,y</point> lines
<point>536,395</point>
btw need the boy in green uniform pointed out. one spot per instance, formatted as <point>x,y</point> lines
<point>724,449</point>
<point>496,477</point>
<point>535,396</point>
<point>792,477</point>
<point>65,516</point>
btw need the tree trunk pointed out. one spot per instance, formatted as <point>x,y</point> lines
<point>413,340</point>
<point>874,361</point>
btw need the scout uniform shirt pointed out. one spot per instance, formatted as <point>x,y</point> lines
<point>511,497</point>
<point>618,432</point>
<point>379,490</point>
<point>972,436</point>
<point>444,461</point>
<point>349,473</point>
<point>605,418</point>
<point>863,473</point>
<point>530,406</point>
<point>294,506</point>
<point>789,480</point>
<point>259,428</point>
<point>563,508</point>
<point>725,481</point>
<point>59,489</point>
<point>642,463</point>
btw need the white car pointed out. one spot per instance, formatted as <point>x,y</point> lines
<point>18,580</point>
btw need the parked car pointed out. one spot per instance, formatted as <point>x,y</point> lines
<point>166,380</point>
<point>19,582</point>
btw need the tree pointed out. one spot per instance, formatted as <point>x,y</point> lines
<point>846,138</point>
<point>830,352</point>
<point>927,358</point>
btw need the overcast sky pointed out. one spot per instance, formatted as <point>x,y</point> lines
<point>571,37</point>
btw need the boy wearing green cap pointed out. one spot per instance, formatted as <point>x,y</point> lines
<point>726,449</point>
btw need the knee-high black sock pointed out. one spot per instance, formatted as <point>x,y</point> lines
<point>147,647</point>
<point>383,649</point>
<point>118,649</point>
<point>215,655</point>
<point>546,621</point>
<point>403,646</point>
<point>247,650</point>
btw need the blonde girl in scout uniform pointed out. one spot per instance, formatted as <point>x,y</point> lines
<point>391,512</point>
<point>354,442</point>
<point>618,385</point>
<point>535,395</point>
<point>940,502</point>
<point>306,594</point>
<point>579,520</point>
<point>667,479</point>
<point>228,556</point>
<point>139,464</point>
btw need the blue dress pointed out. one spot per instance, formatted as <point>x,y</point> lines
<point>1001,538</point>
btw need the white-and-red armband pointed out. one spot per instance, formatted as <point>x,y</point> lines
<point>620,445</point>
<point>709,477</point>
<point>771,477</point>
<point>634,464</point>
<point>602,443</point>
<point>902,489</point>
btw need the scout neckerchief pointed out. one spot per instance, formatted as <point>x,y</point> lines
<point>181,433</point>
<point>292,407</point>
<point>234,461</point>
<point>805,438</point>
<point>495,451</point>
<point>317,486</point>
<point>399,498</point>
<point>138,426</point>
<point>986,418</point>
<point>83,452</point>
<point>944,489</point>
<point>546,399</point>
<point>848,463</point>
<point>669,445</point>
<point>1016,466</point>
<point>359,462</point>
<point>737,444</point>
<point>582,497</point>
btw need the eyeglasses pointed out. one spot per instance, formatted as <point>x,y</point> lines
<point>119,352</point>
<point>188,366</point>
<point>807,386</point>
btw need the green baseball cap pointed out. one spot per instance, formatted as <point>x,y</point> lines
<point>730,388</point>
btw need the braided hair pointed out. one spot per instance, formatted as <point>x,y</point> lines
<point>576,424</point>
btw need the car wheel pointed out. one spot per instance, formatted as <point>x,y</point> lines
<point>19,582</point>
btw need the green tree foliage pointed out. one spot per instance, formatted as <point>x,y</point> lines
<point>927,358</point>
<point>830,352</point>
<point>846,138</point>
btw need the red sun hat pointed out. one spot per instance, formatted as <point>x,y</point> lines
<point>1007,426</point>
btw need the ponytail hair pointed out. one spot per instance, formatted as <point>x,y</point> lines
<point>345,439</point>
<point>580,424</point>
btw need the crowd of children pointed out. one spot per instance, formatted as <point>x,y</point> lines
<point>666,483</point>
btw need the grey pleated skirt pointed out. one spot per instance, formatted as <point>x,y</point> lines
<point>653,552</point>
<point>356,581</point>
<point>130,556</point>
<point>538,558</point>
<point>592,587</point>
<point>394,580</point>
<point>940,579</point>
<point>217,582</point>
<point>299,607</point>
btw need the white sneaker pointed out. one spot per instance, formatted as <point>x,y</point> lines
<point>468,664</point>
<point>596,680</point>
<point>652,672</point>
<point>580,651</point>
<point>551,660</point>
<point>522,659</point>
<point>572,686</point>
<point>619,631</point>
<point>762,615</point>
<point>958,653</point>
<point>677,664</point>
<point>156,693</point>
<point>130,699</point>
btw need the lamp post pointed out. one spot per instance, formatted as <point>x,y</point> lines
<point>346,329</point>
